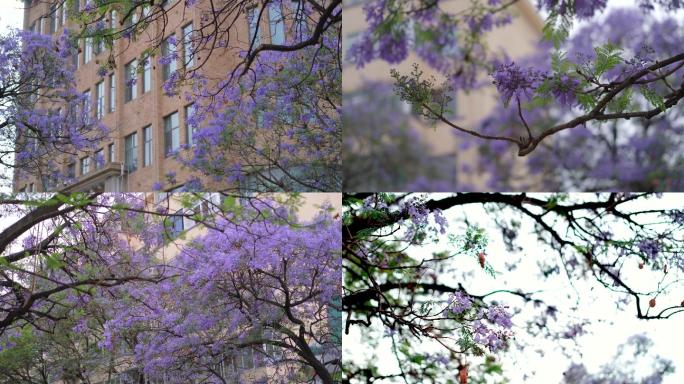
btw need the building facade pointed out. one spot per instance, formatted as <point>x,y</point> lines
<point>146,125</point>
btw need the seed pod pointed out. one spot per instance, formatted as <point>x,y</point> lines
<point>652,303</point>
<point>641,265</point>
<point>481,258</point>
<point>463,374</point>
<point>665,268</point>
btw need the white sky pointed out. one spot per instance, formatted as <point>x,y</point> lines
<point>11,14</point>
<point>610,326</point>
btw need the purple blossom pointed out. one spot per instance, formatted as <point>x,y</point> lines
<point>513,81</point>
<point>649,247</point>
<point>460,302</point>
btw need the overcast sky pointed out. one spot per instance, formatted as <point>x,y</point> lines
<point>11,14</point>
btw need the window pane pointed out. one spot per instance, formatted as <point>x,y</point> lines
<point>188,58</point>
<point>112,93</point>
<point>131,89</point>
<point>99,158</point>
<point>88,53</point>
<point>253,21</point>
<point>147,76</point>
<point>131,152</point>
<point>112,153</point>
<point>276,23</point>
<point>169,58</point>
<point>86,103</point>
<point>189,128</point>
<point>85,165</point>
<point>99,99</point>
<point>171,134</point>
<point>147,148</point>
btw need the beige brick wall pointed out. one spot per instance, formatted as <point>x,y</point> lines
<point>149,108</point>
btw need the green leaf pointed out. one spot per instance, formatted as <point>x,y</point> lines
<point>587,101</point>
<point>607,57</point>
<point>622,102</point>
<point>655,99</point>
<point>52,261</point>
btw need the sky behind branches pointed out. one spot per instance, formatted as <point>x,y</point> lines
<point>610,328</point>
<point>11,14</point>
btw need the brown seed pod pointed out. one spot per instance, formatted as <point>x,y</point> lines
<point>652,303</point>
<point>641,265</point>
<point>463,374</point>
<point>481,258</point>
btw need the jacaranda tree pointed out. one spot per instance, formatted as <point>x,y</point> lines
<point>596,107</point>
<point>414,266</point>
<point>108,286</point>
<point>42,114</point>
<point>270,120</point>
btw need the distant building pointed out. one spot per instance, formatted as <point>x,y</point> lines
<point>147,126</point>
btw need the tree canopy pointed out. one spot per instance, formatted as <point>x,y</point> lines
<point>466,284</point>
<point>185,287</point>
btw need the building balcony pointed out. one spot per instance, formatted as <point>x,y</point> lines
<point>108,178</point>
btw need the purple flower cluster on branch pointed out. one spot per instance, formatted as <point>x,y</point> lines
<point>48,116</point>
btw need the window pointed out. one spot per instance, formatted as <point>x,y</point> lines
<point>113,17</point>
<point>99,99</point>
<point>99,158</point>
<point>53,18</point>
<point>147,76</point>
<point>147,146</point>
<point>88,51</point>
<point>131,152</point>
<point>174,225</point>
<point>253,21</point>
<point>65,13</point>
<point>71,170</point>
<point>112,93</point>
<point>130,69</point>
<point>99,46</point>
<point>75,58</point>
<point>168,57</point>
<point>271,350</point>
<point>85,165</point>
<point>245,358</point>
<point>300,23</point>
<point>32,187</point>
<point>112,153</point>
<point>86,103</point>
<point>276,23</point>
<point>188,57</point>
<point>171,134</point>
<point>189,128</point>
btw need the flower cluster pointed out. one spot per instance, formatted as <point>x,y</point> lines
<point>513,81</point>
<point>649,247</point>
<point>580,8</point>
<point>460,302</point>
<point>494,338</point>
